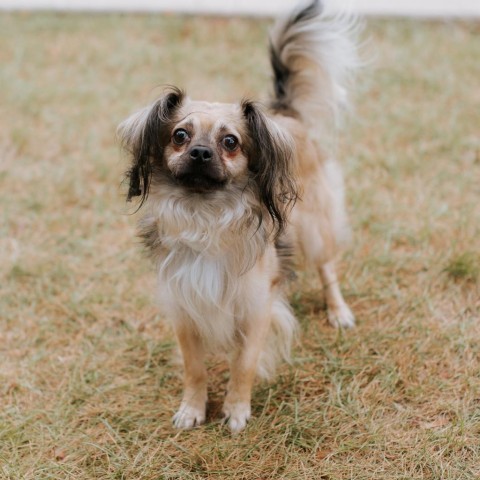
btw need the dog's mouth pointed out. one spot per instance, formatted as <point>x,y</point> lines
<point>200,175</point>
<point>199,182</point>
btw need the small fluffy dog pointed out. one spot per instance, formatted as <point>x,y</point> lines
<point>229,192</point>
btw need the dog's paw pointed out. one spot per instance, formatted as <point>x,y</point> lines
<point>188,416</point>
<point>341,317</point>
<point>236,415</point>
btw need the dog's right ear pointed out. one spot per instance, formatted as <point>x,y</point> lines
<point>144,136</point>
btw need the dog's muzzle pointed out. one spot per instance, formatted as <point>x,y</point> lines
<point>202,170</point>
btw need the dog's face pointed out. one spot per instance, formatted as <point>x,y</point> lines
<point>206,150</point>
<point>202,148</point>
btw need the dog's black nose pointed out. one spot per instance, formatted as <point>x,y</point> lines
<point>201,154</point>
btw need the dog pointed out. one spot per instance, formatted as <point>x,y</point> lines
<point>229,193</point>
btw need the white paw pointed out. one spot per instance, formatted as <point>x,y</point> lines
<point>188,416</point>
<point>236,415</point>
<point>341,317</point>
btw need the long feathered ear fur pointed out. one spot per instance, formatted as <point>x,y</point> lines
<point>270,160</point>
<point>144,136</point>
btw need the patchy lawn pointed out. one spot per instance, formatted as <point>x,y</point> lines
<point>88,376</point>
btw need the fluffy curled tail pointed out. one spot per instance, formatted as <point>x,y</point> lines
<point>313,57</point>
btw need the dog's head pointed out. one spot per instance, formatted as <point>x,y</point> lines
<point>203,148</point>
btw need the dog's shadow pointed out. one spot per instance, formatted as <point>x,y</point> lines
<point>307,303</point>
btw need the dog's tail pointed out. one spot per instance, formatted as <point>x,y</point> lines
<point>313,57</point>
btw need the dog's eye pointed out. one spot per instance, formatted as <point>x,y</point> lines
<point>180,136</point>
<point>230,142</point>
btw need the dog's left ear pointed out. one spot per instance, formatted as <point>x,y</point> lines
<point>270,159</point>
<point>143,136</point>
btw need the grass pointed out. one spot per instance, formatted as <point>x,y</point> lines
<point>88,377</point>
<point>465,266</point>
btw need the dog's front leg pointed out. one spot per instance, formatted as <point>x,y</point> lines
<point>193,407</point>
<point>243,368</point>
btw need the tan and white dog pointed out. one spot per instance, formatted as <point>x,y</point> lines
<point>229,193</point>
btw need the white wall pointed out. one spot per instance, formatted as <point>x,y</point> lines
<point>433,8</point>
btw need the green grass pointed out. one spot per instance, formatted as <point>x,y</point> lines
<point>88,376</point>
<point>465,266</point>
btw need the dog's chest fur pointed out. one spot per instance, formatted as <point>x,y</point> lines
<point>204,251</point>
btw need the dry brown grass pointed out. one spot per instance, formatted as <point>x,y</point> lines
<point>88,385</point>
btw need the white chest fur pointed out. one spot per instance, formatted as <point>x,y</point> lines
<point>205,257</point>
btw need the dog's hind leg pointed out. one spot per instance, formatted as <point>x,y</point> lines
<point>193,407</point>
<point>339,314</point>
